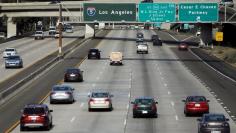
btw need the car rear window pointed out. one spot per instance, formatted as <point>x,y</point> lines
<point>144,101</point>
<point>215,118</point>
<point>61,88</point>
<point>99,95</point>
<point>93,50</point>
<point>196,99</point>
<point>37,110</point>
<point>72,70</point>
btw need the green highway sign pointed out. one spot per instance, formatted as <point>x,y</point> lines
<point>198,12</point>
<point>157,12</point>
<point>109,12</point>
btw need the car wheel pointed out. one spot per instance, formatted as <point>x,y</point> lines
<point>90,110</point>
<point>155,115</point>
<point>65,80</point>
<point>22,128</point>
<point>51,102</point>
<point>89,57</point>
<point>48,127</point>
<point>134,116</point>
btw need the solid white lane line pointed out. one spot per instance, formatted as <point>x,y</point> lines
<point>72,119</point>
<point>127,106</point>
<point>172,36</point>
<point>125,122</point>
<point>176,117</point>
<point>188,38</point>
<point>213,67</point>
<point>81,105</point>
<point>129,95</point>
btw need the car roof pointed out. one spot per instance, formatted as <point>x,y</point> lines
<point>62,85</point>
<point>93,49</point>
<point>196,96</point>
<point>10,48</point>
<point>35,105</point>
<point>72,69</point>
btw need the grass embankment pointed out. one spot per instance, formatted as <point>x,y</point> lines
<point>227,54</point>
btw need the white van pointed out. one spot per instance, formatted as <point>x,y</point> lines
<point>116,58</point>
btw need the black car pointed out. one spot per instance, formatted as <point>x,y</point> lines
<point>213,122</point>
<point>157,42</point>
<point>144,106</point>
<point>94,53</point>
<point>154,37</point>
<point>73,74</point>
<point>139,35</point>
<point>36,116</point>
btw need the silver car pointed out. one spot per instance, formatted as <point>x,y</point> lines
<point>62,93</point>
<point>100,100</point>
<point>13,61</point>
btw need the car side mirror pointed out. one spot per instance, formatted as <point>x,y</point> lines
<point>111,95</point>
<point>132,102</point>
<point>208,100</point>
<point>89,94</point>
<point>82,71</point>
<point>50,110</point>
<point>156,102</point>
<point>199,119</point>
<point>227,119</point>
<point>183,100</point>
<point>73,89</point>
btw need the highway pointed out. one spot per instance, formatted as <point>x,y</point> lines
<point>32,51</point>
<point>160,74</point>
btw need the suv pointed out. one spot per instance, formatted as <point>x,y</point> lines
<point>39,35</point>
<point>94,53</point>
<point>52,30</point>
<point>116,58</point>
<point>36,116</point>
<point>14,61</point>
<point>142,48</point>
<point>144,106</point>
<point>9,52</point>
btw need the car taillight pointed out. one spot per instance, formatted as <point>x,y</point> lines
<point>154,107</point>
<point>91,100</point>
<point>68,93</point>
<point>225,125</point>
<point>204,124</point>
<point>107,100</point>
<point>191,104</point>
<point>135,106</point>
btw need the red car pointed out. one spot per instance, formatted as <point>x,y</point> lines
<point>196,105</point>
<point>183,46</point>
<point>36,116</point>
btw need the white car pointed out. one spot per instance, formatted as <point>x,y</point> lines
<point>100,100</point>
<point>142,48</point>
<point>52,30</point>
<point>39,35</point>
<point>9,52</point>
<point>69,30</point>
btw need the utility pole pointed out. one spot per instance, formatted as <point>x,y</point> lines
<point>60,31</point>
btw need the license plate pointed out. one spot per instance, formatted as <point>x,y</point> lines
<point>33,118</point>
<point>197,105</point>
<point>72,75</point>
<point>99,101</point>
<point>215,131</point>
<point>144,112</point>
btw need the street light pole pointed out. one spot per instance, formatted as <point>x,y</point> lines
<point>60,31</point>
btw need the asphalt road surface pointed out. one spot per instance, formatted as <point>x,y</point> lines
<point>159,74</point>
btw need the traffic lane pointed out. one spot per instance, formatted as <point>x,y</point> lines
<point>32,53</point>
<point>219,85</point>
<point>176,85</point>
<point>39,88</point>
<point>95,78</point>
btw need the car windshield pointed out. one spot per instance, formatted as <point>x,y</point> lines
<point>13,57</point>
<point>61,88</point>
<point>38,32</point>
<point>144,101</point>
<point>196,99</point>
<point>73,70</point>
<point>37,110</point>
<point>99,95</point>
<point>52,28</point>
<point>215,118</point>
<point>9,50</point>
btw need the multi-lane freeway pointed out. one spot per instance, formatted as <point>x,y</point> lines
<point>162,74</point>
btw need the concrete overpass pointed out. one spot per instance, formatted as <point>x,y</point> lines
<point>74,11</point>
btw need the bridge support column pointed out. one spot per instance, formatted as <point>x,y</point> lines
<point>11,28</point>
<point>89,30</point>
<point>206,33</point>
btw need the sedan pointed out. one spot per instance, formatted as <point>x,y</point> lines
<point>13,61</point>
<point>73,74</point>
<point>196,105</point>
<point>144,106</point>
<point>94,53</point>
<point>100,100</point>
<point>213,123</point>
<point>183,46</point>
<point>62,93</point>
